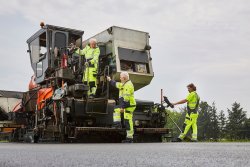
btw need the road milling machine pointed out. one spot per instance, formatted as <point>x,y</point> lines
<point>58,108</point>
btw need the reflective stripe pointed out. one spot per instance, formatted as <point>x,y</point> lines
<point>116,119</point>
<point>125,95</point>
<point>93,90</point>
<point>130,134</point>
<point>194,136</point>
<point>117,116</point>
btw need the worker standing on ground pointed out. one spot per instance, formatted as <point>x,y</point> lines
<point>192,101</point>
<point>127,105</point>
<point>91,54</point>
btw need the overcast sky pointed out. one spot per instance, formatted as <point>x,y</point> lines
<point>206,42</point>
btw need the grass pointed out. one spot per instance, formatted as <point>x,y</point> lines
<point>4,141</point>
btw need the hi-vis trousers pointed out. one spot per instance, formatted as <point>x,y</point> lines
<point>128,120</point>
<point>190,121</point>
<point>89,78</point>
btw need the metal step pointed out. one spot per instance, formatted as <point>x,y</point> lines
<point>152,130</point>
<point>138,130</point>
<point>98,129</point>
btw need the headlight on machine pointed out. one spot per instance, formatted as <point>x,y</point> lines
<point>67,110</point>
<point>137,122</point>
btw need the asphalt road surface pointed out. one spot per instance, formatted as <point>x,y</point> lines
<point>132,155</point>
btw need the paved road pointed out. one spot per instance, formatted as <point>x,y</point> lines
<point>131,155</point>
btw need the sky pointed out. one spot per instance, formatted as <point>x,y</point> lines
<point>193,41</point>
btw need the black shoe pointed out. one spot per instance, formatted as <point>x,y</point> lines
<point>177,140</point>
<point>193,140</point>
<point>128,141</point>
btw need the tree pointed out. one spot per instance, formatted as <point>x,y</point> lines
<point>177,118</point>
<point>203,120</point>
<point>246,129</point>
<point>213,131</point>
<point>222,124</point>
<point>236,120</point>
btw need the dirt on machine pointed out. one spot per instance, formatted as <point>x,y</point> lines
<point>57,106</point>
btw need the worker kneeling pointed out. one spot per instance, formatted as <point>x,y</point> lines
<point>127,105</point>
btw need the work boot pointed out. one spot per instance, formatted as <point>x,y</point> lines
<point>177,140</point>
<point>127,140</point>
<point>194,140</point>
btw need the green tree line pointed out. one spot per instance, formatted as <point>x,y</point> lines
<point>214,125</point>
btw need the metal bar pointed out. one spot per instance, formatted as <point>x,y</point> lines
<point>175,123</point>
<point>140,130</point>
<point>153,130</point>
<point>100,129</point>
<point>161,96</point>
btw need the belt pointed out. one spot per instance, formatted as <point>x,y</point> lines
<point>128,112</point>
<point>192,110</point>
<point>91,65</point>
<point>130,106</point>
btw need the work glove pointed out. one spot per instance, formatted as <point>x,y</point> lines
<point>72,47</point>
<point>108,78</point>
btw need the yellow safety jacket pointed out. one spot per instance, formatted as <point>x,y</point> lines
<point>193,102</point>
<point>126,95</point>
<point>90,54</point>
